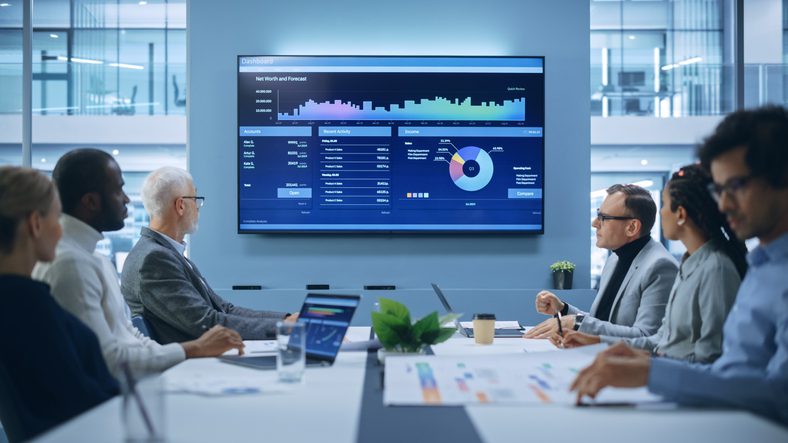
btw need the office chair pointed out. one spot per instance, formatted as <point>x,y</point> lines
<point>179,102</point>
<point>144,326</point>
<point>124,108</point>
<point>9,402</point>
<point>632,106</point>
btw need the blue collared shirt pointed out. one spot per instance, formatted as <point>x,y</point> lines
<point>752,372</point>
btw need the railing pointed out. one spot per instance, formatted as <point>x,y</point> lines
<point>96,87</point>
<point>679,90</point>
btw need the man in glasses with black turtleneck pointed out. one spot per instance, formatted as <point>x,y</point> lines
<point>636,279</point>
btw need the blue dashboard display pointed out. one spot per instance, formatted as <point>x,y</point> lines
<point>390,144</point>
<point>326,320</point>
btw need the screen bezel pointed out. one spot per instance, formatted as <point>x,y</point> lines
<point>372,232</point>
<point>355,298</point>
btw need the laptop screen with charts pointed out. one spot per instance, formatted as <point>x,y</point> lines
<point>468,332</point>
<point>326,318</point>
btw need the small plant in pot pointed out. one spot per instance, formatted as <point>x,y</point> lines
<point>399,335</point>
<point>562,274</point>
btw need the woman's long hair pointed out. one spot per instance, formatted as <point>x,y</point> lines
<point>689,188</point>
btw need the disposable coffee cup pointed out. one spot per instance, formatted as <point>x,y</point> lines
<point>483,328</point>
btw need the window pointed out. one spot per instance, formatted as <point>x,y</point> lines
<point>108,74</point>
<point>658,58</point>
<point>10,85</point>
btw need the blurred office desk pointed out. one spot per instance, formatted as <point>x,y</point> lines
<point>343,404</point>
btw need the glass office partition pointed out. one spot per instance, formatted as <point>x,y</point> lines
<point>659,58</point>
<point>111,75</point>
<point>10,84</point>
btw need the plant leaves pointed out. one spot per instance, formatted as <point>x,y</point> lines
<point>426,328</point>
<point>431,330</point>
<point>391,307</point>
<point>445,334</point>
<point>391,330</point>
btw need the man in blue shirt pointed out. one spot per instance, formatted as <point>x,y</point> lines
<point>748,159</point>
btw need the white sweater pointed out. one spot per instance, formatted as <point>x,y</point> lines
<point>85,283</point>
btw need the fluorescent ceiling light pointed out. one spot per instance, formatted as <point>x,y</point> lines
<point>690,61</point>
<point>80,60</point>
<point>5,5</point>
<point>87,61</point>
<point>685,62</point>
<point>143,3</point>
<point>54,35</point>
<point>126,65</point>
<point>99,62</point>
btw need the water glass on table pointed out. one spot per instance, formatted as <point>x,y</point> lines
<point>291,352</point>
<point>143,409</point>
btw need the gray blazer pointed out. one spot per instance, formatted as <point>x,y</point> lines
<point>699,303</point>
<point>640,302</point>
<point>165,287</point>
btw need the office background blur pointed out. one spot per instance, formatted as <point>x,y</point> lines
<point>113,75</point>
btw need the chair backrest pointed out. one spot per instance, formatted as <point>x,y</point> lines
<point>179,102</point>
<point>9,402</point>
<point>139,322</point>
<point>144,326</point>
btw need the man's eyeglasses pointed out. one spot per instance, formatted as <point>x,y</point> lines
<point>602,217</point>
<point>199,201</point>
<point>732,187</point>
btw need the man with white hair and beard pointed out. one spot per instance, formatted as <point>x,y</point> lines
<point>164,286</point>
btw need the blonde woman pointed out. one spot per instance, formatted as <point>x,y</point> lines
<point>51,367</point>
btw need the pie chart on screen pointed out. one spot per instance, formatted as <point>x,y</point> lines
<point>471,168</point>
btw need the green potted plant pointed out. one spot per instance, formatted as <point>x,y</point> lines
<point>398,334</point>
<point>562,274</point>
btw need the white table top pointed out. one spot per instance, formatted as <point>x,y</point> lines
<point>327,408</point>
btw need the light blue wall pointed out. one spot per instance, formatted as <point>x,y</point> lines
<point>557,29</point>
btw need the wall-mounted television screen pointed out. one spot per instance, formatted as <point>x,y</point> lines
<point>390,144</point>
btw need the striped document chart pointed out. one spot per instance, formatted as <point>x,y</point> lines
<point>536,378</point>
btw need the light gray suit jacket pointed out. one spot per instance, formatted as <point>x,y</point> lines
<point>165,287</point>
<point>639,305</point>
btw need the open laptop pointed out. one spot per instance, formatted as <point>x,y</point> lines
<point>468,332</point>
<point>327,317</point>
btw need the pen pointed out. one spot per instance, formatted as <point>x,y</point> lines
<point>605,405</point>
<point>558,319</point>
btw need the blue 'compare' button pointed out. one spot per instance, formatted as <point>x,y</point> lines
<point>294,192</point>
<point>525,193</point>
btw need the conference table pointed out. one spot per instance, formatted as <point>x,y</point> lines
<point>343,403</point>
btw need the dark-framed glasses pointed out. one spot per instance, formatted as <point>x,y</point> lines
<point>198,200</point>
<point>731,187</point>
<point>602,217</point>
